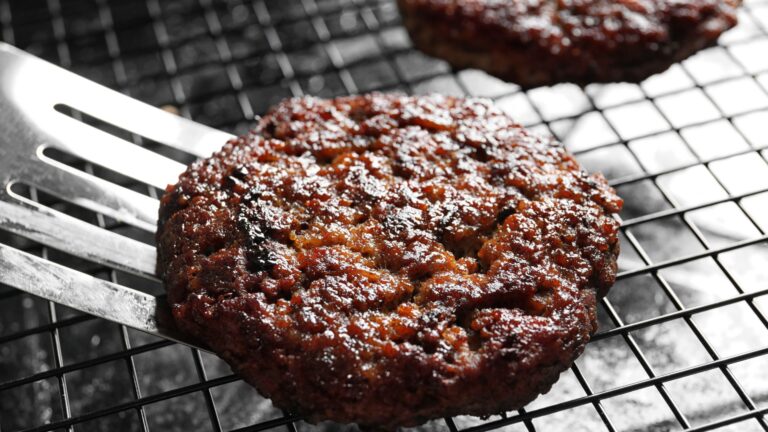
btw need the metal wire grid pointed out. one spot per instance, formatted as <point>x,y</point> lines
<point>221,62</point>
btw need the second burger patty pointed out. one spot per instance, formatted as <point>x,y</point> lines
<point>387,260</point>
<point>543,42</point>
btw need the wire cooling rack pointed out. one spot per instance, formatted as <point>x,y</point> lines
<point>683,343</point>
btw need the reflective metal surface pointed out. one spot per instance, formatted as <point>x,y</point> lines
<point>30,92</point>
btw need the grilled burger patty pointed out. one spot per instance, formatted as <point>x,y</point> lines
<point>387,260</point>
<point>543,42</point>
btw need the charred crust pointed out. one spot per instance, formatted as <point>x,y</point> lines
<point>353,249</point>
<point>544,42</point>
<point>257,254</point>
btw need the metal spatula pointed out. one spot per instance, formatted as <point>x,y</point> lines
<point>32,94</point>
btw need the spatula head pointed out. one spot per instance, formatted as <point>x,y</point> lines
<point>34,98</point>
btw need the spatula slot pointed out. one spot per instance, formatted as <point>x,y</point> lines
<point>35,198</point>
<point>175,154</point>
<point>85,190</point>
<point>58,156</point>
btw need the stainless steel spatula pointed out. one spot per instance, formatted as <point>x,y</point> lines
<point>32,95</point>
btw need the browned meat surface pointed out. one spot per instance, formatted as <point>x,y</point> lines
<point>542,42</point>
<point>386,260</point>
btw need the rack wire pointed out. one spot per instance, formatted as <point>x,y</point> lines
<point>683,343</point>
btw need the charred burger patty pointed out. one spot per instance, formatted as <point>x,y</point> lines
<point>387,260</point>
<point>543,42</point>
